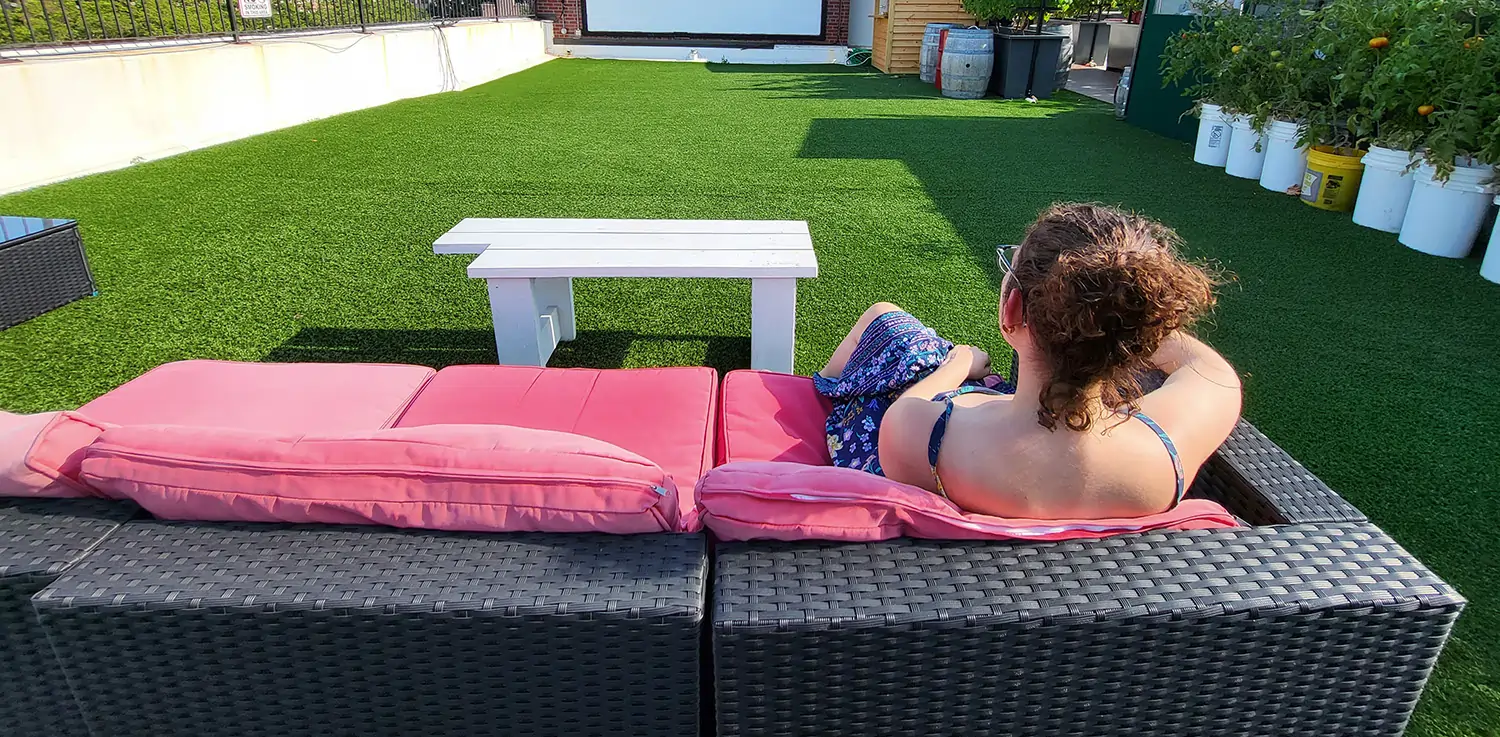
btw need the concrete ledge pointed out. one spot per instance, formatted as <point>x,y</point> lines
<point>80,114</point>
<point>779,54</point>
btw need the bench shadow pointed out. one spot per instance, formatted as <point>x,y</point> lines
<point>442,347</point>
<point>824,82</point>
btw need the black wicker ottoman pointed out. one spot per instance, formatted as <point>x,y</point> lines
<point>39,539</point>
<point>1311,622</point>
<point>192,629</point>
<point>42,267</point>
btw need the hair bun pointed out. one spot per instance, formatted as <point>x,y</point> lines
<point>1102,290</point>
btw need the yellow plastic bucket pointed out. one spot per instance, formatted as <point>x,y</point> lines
<point>1332,178</point>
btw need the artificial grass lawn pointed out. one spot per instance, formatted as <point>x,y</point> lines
<point>1372,364</point>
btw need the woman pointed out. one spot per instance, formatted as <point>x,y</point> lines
<point>1091,301</point>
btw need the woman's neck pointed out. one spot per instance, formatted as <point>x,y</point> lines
<point>1031,376</point>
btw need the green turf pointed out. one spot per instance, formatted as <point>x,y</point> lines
<point>1374,365</point>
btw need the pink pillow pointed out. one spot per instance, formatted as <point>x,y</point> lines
<point>767,500</point>
<point>40,454</point>
<point>482,478</point>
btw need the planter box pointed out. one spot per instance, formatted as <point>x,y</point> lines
<point>1091,41</point>
<point>1015,73</point>
<point>1124,39</point>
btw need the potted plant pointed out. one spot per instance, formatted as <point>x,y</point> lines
<point>1348,42</point>
<point>1289,75</point>
<point>1024,60</point>
<point>1489,145</point>
<point>1434,89</point>
<point>1195,59</point>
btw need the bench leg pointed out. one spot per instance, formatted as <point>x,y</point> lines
<point>522,337</point>
<point>557,294</point>
<point>773,324</point>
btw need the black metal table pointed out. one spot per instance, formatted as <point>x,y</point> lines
<point>42,267</point>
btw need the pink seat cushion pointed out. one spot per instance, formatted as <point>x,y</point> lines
<point>40,454</point>
<point>271,397</point>
<point>790,501</point>
<point>440,477</point>
<point>773,417</point>
<point>664,414</point>
<point>778,483</point>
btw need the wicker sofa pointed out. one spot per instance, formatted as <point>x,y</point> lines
<point>39,540</point>
<point>1309,620</point>
<point>194,628</point>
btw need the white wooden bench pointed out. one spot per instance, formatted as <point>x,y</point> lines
<point>529,265</point>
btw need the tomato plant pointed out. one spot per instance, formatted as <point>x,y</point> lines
<point>1419,75</point>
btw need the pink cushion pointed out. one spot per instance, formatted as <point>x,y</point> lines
<point>773,417</point>
<point>789,501</point>
<point>40,454</point>
<point>440,477</point>
<point>664,414</point>
<point>270,397</point>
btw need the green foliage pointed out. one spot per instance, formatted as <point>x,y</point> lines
<point>1202,58</point>
<point>1356,72</point>
<point>60,21</point>
<point>992,11</point>
<point>1017,13</point>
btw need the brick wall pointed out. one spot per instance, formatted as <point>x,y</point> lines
<point>836,22</point>
<point>568,19</point>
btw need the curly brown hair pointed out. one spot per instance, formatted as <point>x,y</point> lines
<point>1101,289</point>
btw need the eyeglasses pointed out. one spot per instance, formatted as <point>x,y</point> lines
<point>1004,254</point>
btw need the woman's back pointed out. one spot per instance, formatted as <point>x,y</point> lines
<point>995,460</point>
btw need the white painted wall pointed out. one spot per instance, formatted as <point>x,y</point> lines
<point>780,54</point>
<point>862,23</point>
<point>743,17</point>
<point>69,116</point>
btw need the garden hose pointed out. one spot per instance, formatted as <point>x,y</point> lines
<point>857,57</point>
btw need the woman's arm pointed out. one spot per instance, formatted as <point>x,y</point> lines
<point>962,363</point>
<point>1199,403</point>
<point>907,424</point>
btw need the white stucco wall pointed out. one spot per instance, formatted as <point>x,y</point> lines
<point>768,17</point>
<point>74,115</point>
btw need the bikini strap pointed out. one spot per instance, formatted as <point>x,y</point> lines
<point>940,428</point>
<point>1171,451</point>
<point>935,441</point>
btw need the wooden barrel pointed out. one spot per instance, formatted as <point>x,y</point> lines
<point>929,57</point>
<point>968,58</point>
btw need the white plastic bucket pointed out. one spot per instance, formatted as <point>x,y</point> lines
<point>1244,160</point>
<point>1490,269</point>
<point>1286,162</point>
<point>1212,147</point>
<point>1444,218</point>
<point>1385,190</point>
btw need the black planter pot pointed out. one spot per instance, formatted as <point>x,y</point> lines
<point>1025,62</point>
<point>1092,44</point>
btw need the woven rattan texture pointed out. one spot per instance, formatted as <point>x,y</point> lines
<point>39,538</point>
<point>42,274</point>
<point>1304,629</point>
<point>178,630</point>
<point>1262,484</point>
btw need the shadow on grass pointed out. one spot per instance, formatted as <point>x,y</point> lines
<point>969,164</point>
<point>826,82</point>
<point>438,347</point>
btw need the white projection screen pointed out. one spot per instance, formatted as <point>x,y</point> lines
<point>716,17</point>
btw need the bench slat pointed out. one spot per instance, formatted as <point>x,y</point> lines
<point>592,225</point>
<point>726,264</point>
<point>554,242</point>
